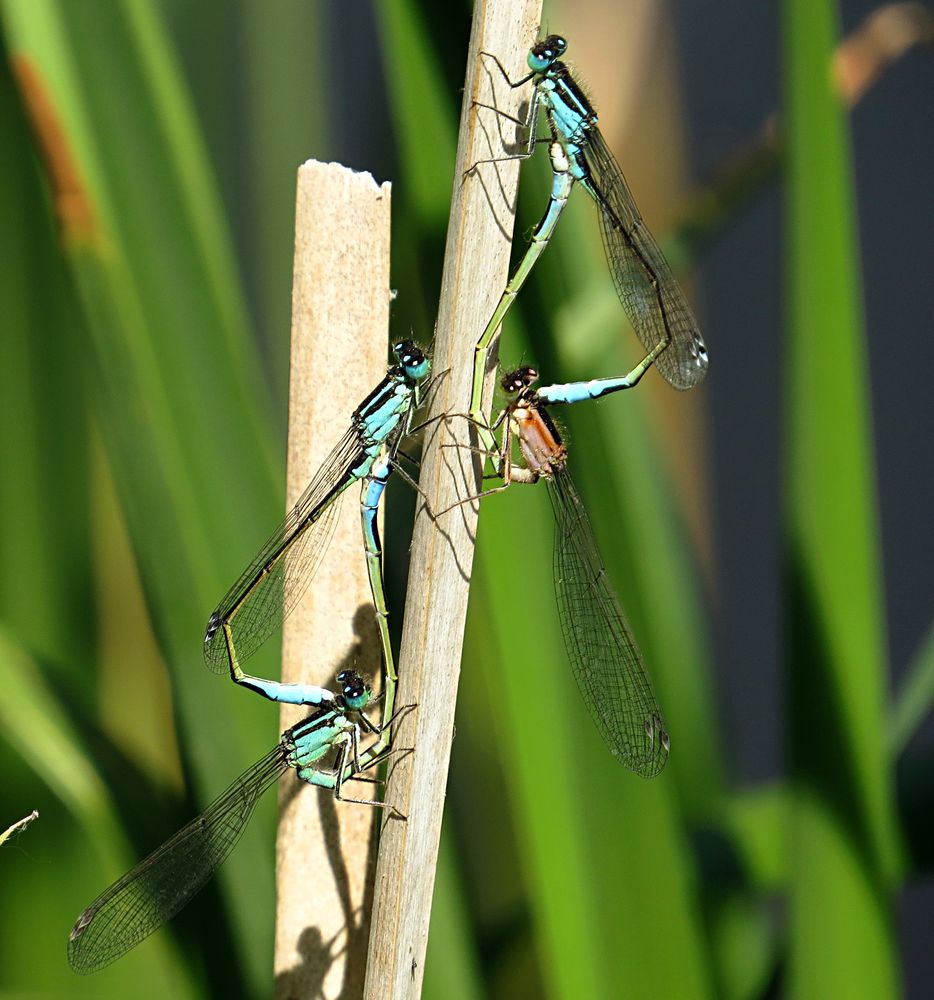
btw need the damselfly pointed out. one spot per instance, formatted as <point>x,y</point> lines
<point>159,886</point>
<point>604,656</point>
<point>271,585</point>
<point>649,292</point>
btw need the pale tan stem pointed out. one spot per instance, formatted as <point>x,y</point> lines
<point>340,319</point>
<point>475,272</point>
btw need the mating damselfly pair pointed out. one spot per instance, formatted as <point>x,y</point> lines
<point>326,748</point>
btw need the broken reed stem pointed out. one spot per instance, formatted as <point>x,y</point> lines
<point>340,319</point>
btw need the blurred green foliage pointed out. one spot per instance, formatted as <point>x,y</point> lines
<point>142,447</point>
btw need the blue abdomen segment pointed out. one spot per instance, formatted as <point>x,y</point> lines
<point>288,694</point>
<point>577,392</point>
<point>379,476</point>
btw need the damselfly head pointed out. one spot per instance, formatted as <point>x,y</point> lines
<point>412,358</point>
<point>544,53</point>
<point>354,689</point>
<point>519,379</point>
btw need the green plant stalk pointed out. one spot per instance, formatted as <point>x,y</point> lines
<point>841,824</point>
<point>451,964</point>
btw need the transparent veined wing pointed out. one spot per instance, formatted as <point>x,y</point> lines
<point>650,293</point>
<point>274,581</point>
<point>604,656</point>
<point>162,884</point>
